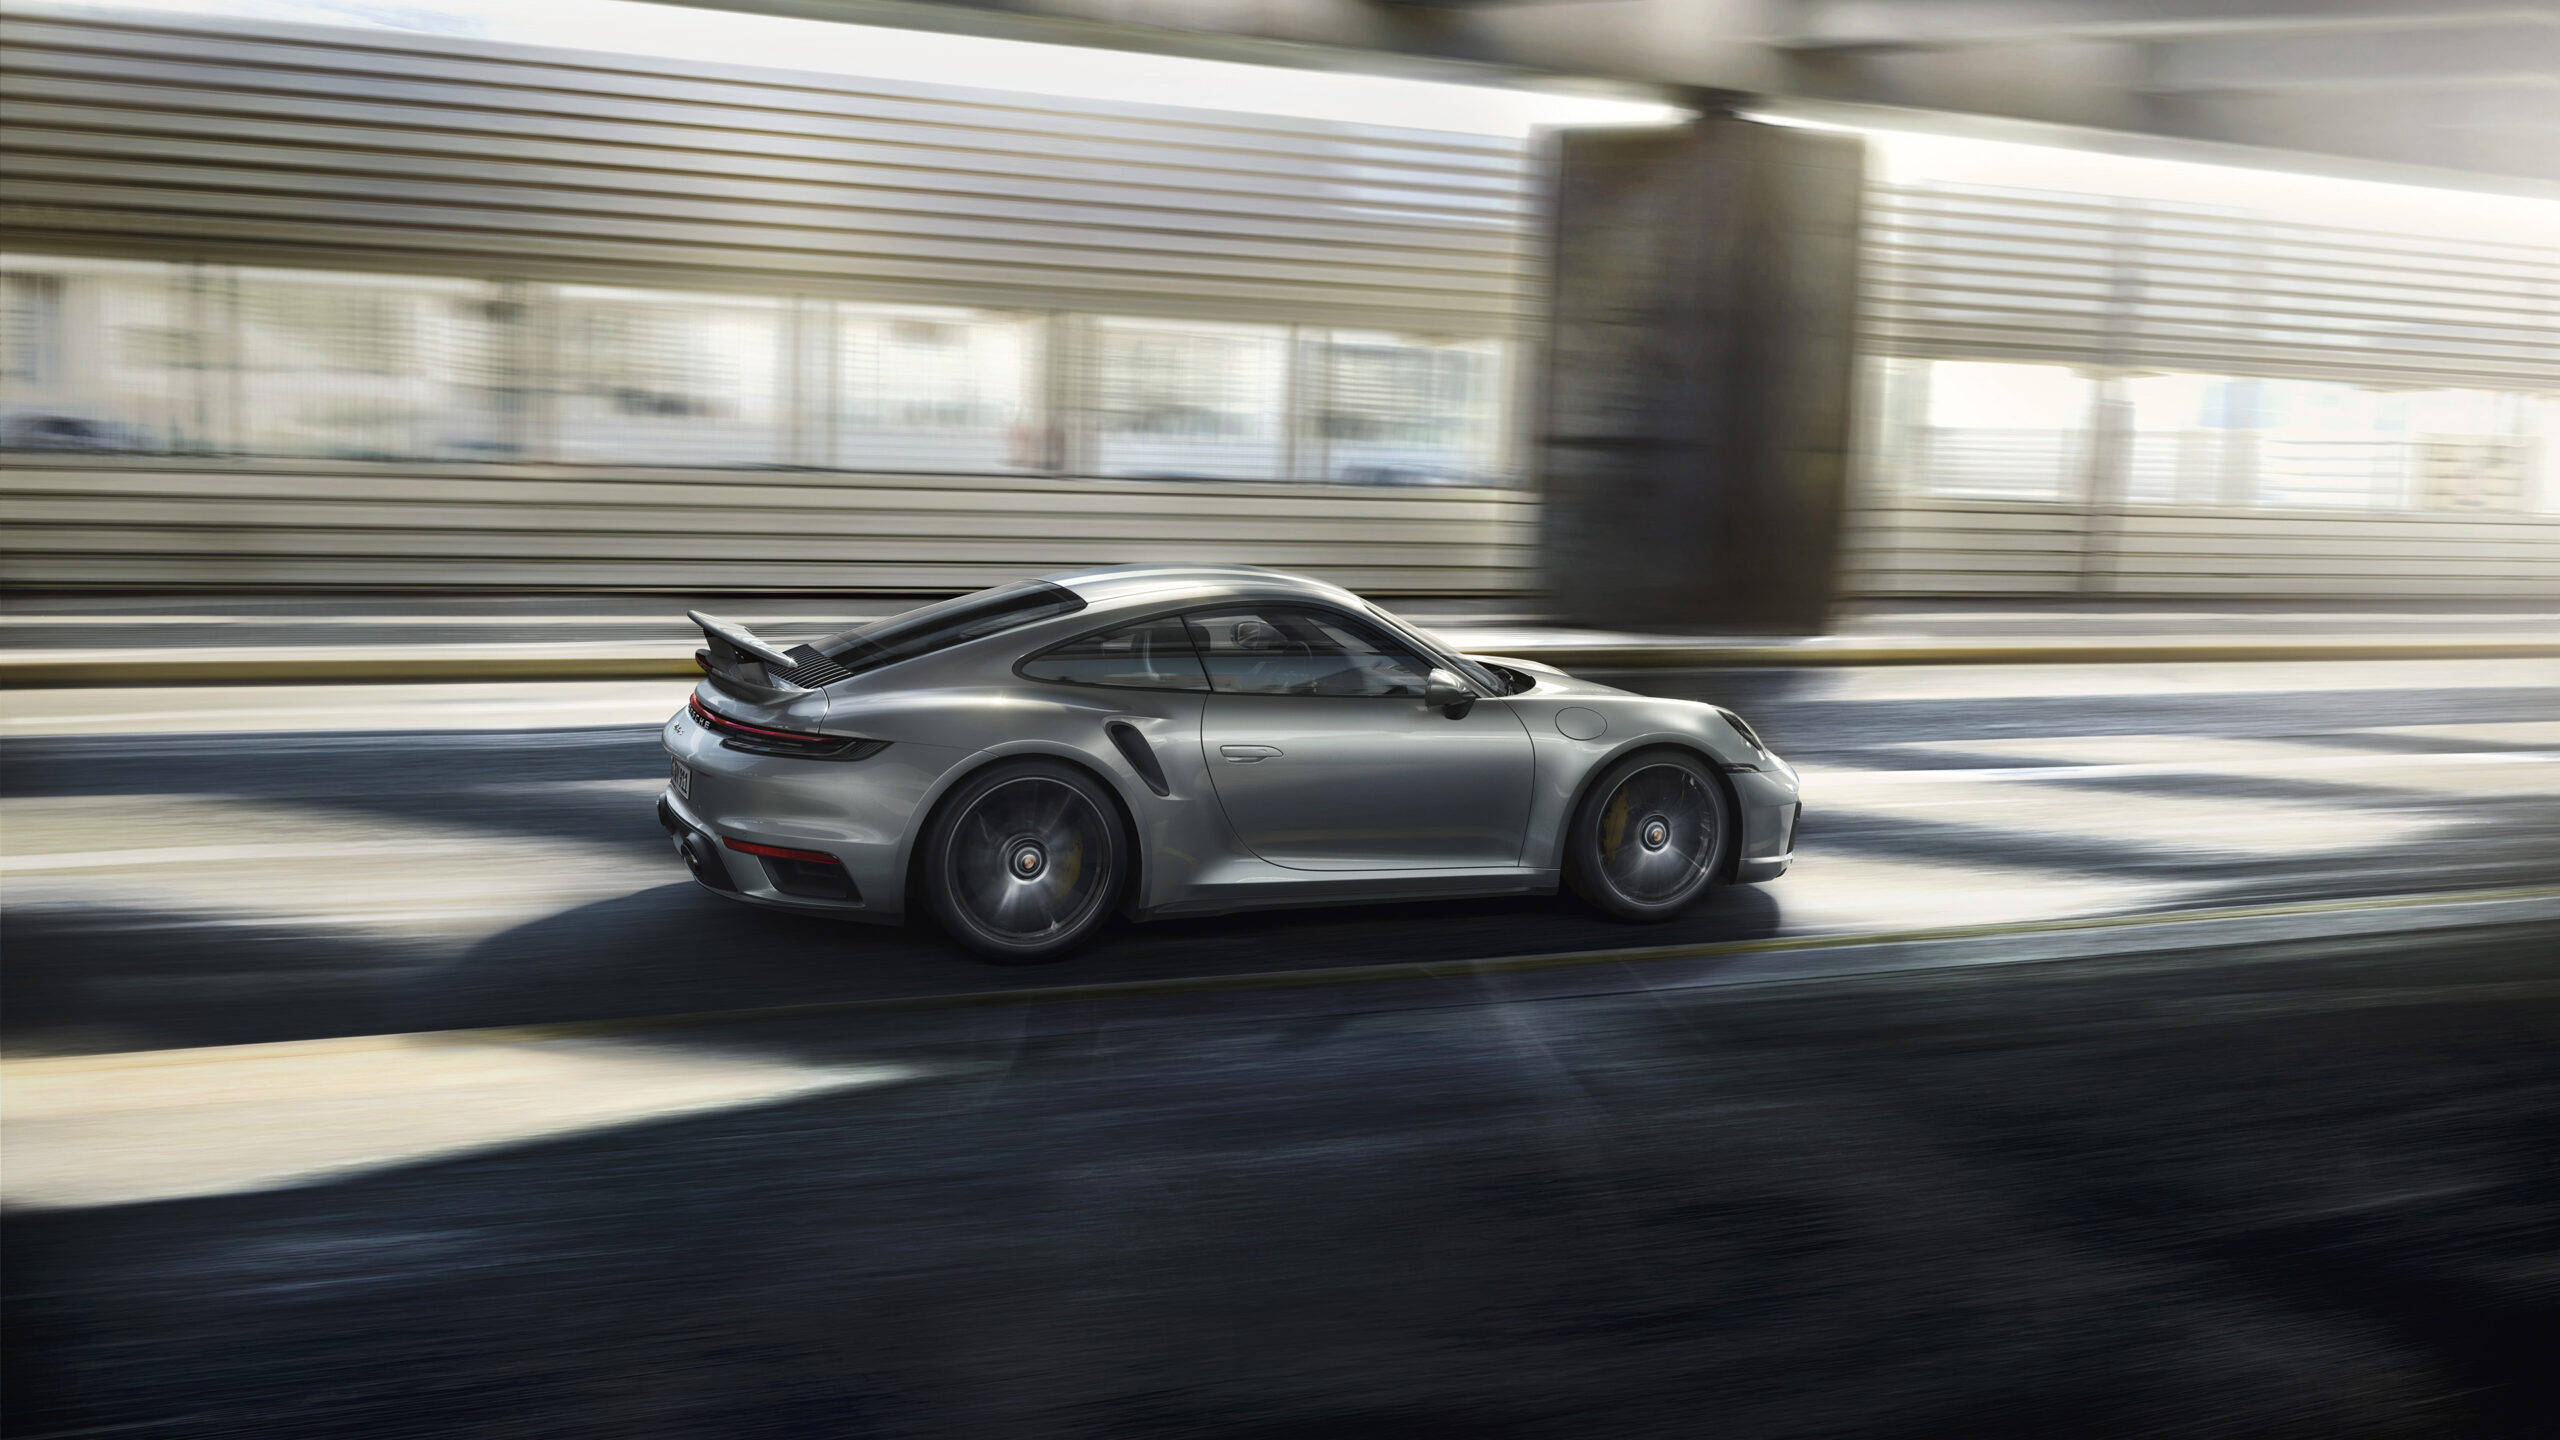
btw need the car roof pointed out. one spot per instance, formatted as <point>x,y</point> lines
<point>1165,581</point>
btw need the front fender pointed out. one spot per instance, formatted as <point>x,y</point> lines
<point>1570,757</point>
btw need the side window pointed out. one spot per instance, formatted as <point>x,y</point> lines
<point>1150,655</point>
<point>1286,650</point>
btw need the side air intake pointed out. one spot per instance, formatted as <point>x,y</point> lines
<point>1141,756</point>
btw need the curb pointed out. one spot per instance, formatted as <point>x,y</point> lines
<point>103,670</point>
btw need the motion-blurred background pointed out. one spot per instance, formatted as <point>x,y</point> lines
<point>430,297</point>
<point>2111,447</point>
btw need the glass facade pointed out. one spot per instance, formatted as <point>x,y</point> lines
<point>101,355</point>
<point>1404,409</point>
<point>363,366</point>
<point>651,377</point>
<point>160,358</point>
<point>921,388</point>
<point>2054,433</point>
<point>1190,400</point>
<point>1985,431</point>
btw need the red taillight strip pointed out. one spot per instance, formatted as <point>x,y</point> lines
<point>777,852</point>
<point>713,720</point>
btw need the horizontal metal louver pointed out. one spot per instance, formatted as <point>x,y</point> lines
<point>1975,272</point>
<point>296,145</point>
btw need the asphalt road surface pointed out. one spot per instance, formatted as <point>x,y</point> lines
<point>2298,1188</point>
<point>366,865</point>
<point>2272,1193</point>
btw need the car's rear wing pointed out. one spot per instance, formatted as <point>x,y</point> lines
<point>743,664</point>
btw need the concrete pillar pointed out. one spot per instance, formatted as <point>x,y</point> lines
<point>1694,434</point>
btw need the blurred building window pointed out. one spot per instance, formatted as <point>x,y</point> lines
<point>1977,430</point>
<point>1403,409</point>
<point>2226,440</point>
<point>921,388</point>
<point>2323,443</point>
<point>655,377</point>
<point>1190,399</point>
<point>2543,443</point>
<point>366,366</point>
<point>98,355</point>
<point>31,330</point>
<point>2477,450</point>
<point>2193,439</point>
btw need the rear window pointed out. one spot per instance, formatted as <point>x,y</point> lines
<point>946,623</point>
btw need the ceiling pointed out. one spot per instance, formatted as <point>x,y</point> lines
<point>2455,83</point>
<point>2470,85</point>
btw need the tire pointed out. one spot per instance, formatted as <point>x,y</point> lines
<point>1652,835</point>
<point>1024,860</point>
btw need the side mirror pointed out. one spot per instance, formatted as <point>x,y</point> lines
<point>1448,694</point>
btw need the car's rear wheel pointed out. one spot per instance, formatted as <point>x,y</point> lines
<point>1024,860</point>
<point>1651,837</point>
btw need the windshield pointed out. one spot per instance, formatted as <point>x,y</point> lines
<point>946,623</point>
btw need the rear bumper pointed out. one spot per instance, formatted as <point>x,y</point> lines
<point>860,812</point>
<point>698,848</point>
<point>742,876</point>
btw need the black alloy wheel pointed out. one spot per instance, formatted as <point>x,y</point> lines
<point>1652,836</point>
<point>1024,860</point>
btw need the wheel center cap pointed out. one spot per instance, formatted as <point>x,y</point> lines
<point>1655,833</point>
<point>1028,861</point>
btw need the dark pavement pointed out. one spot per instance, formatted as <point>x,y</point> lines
<point>2277,1193</point>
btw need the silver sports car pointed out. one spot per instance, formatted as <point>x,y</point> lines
<point>1185,740</point>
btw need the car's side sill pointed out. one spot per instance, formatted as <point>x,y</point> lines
<point>1353,889</point>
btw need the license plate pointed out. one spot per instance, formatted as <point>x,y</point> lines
<point>683,780</point>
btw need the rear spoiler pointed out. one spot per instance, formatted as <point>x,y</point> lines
<point>751,668</point>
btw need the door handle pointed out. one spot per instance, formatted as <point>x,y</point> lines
<point>1247,754</point>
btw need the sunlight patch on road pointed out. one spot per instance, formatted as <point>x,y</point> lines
<point>2162,679</point>
<point>2543,733</point>
<point>1856,892</point>
<point>2148,751</point>
<point>2046,814</point>
<point>317,863</point>
<point>2310,759</point>
<point>263,709</point>
<point>184,1124</point>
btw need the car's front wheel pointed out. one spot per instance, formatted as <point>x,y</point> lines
<point>1651,837</point>
<point>1023,860</point>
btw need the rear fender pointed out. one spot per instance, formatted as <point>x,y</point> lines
<point>1102,761</point>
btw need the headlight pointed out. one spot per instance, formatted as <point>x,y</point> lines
<point>1743,728</point>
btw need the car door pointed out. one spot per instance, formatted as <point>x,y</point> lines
<point>1325,756</point>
